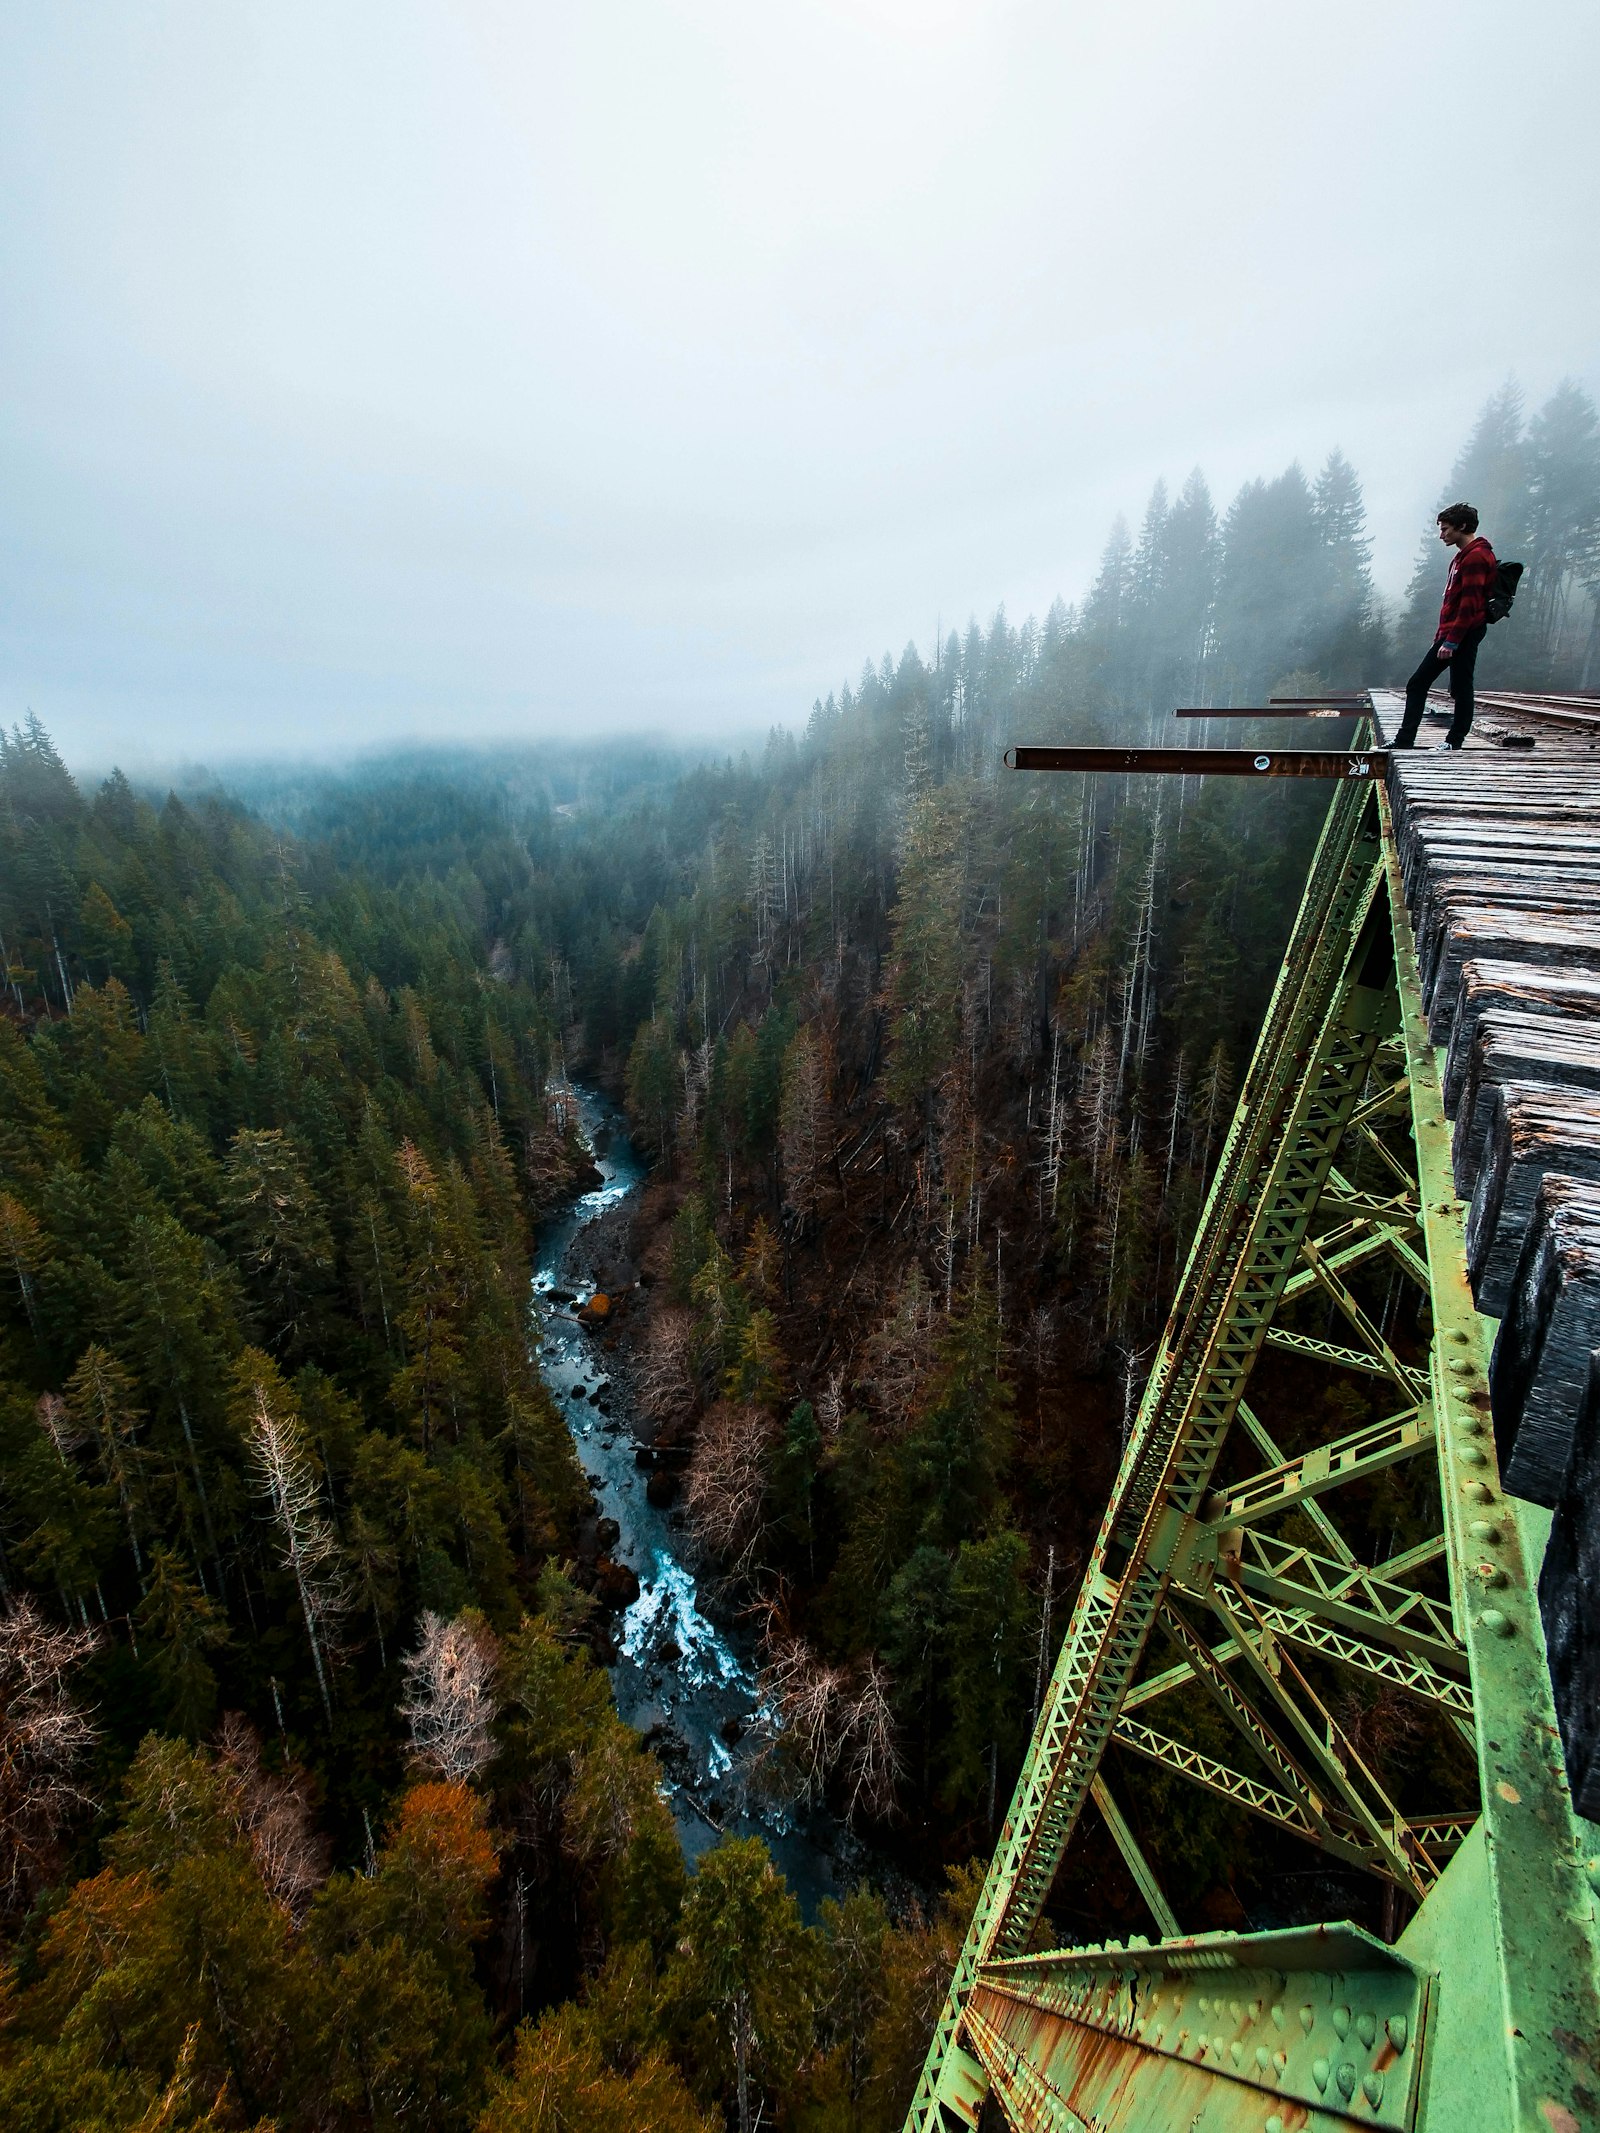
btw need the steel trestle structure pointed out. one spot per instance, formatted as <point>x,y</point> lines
<point>1233,1593</point>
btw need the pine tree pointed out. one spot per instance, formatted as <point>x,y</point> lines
<point>744,1964</point>
<point>178,1626</point>
<point>1563,454</point>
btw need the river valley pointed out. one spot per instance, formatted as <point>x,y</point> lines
<point>684,1674</point>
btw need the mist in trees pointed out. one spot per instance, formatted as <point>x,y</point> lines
<point>315,1806</point>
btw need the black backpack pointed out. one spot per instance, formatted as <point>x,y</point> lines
<point>1503,592</point>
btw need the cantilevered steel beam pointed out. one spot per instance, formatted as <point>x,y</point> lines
<point>1318,710</point>
<point>1209,762</point>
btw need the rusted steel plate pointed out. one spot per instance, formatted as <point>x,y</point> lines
<point>1323,2019</point>
<point>1206,762</point>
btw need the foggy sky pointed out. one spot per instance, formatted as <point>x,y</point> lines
<point>494,368</point>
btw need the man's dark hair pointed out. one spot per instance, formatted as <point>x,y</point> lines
<point>1461,515</point>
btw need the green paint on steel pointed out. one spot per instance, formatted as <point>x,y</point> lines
<point>1507,1919</point>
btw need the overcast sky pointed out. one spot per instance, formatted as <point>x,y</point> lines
<point>497,367</point>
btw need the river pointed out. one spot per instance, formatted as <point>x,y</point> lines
<point>685,1673</point>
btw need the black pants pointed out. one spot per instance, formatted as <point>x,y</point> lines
<point>1462,667</point>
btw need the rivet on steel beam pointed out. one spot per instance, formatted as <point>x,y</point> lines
<point>1341,2023</point>
<point>1346,2079</point>
<point>1278,2016</point>
<point>1263,2057</point>
<point>1471,1455</point>
<point>1372,2088</point>
<point>1308,2018</point>
<point>1498,1624</point>
<point>1319,2072</point>
<point>1366,2026</point>
<point>1274,2124</point>
<point>1479,1492</point>
<point>1397,2029</point>
<point>1484,1529</point>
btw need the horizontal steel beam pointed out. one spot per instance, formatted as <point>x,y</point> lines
<point>1208,762</point>
<point>1274,711</point>
<point>1320,1351</point>
<point>1325,1466</point>
<point>1352,1597</point>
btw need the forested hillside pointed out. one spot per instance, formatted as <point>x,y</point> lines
<point>314,1810</point>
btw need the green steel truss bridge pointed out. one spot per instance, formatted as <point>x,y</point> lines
<point>1239,1577</point>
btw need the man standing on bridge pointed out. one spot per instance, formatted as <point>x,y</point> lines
<point>1463,618</point>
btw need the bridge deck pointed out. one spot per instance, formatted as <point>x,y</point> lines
<point>1499,847</point>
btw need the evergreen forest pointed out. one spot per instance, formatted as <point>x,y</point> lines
<point>315,1809</point>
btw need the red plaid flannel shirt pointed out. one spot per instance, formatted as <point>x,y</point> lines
<point>1466,590</point>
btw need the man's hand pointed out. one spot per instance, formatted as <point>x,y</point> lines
<point>1444,651</point>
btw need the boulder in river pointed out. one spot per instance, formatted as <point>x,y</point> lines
<point>669,1651</point>
<point>661,1489</point>
<point>615,1585</point>
<point>596,1310</point>
<point>607,1533</point>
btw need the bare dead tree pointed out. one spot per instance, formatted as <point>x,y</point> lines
<point>450,1703</point>
<point>800,1696</point>
<point>803,1116</point>
<point>727,1481</point>
<point>44,1736</point>
<point>818,1719</point>
<point>285,1475</point>
<point>872,1762</point>
<point>274,1813</point>
<point>829,1406</point>
<point>668,1379</point>
<point>899,1353</point>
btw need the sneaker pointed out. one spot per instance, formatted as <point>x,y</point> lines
<point>1445,747</point>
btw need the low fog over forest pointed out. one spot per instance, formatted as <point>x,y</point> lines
<point>315,1806</point>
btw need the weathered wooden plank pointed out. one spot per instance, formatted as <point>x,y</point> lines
<point>1551,940</point>
<point>1539,1370</point>
<point>1523,989</point>
<point>1462,846</point>
<point>1514,1047</point>
<point>1533,1129</point>
<point>1509,889</point>
<point>1569,1600</point>
<point>1490,830</point>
